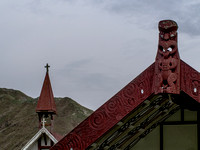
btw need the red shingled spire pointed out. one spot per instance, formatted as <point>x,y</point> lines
<point>46,101</point>
<point>46,106</point>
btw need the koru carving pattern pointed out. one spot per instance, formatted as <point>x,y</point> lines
<point>167,64</point>
<point>166,75</point>
<point>110,113</point>
<point>190,81</point>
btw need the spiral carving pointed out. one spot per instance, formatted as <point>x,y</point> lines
<point>97,120</point>
<point>129,91</point>
<point>113,105</point>
<point>190,81</point>
<point>109,114</point>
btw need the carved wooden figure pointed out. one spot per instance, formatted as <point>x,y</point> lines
<point>167,64</point>
<point>140,106</point>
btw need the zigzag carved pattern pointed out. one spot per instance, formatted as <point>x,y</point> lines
<point>109,113</point>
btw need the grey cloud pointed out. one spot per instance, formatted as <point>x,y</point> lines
<point>94,47</point>
<point>184,12</point>
<point>80,81</point>
<point>81,73</point>
<point>76,65</point>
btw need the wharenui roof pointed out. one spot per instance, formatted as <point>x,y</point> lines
<point>46,101</point>
<point>157,93</point>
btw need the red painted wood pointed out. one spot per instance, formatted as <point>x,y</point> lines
<point>167,64</point>
<point>190,81</point>
<point>46,101</point>
<point>109,113</point>
<point>155,79</point>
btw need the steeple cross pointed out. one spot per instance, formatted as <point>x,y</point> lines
<point>47,67</point>
<point>43,122</point>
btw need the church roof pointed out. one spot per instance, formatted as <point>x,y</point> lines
<point>141,105</point>
<point>46,101</point>
<point>38,135</point>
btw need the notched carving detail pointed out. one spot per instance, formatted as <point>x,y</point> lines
<point>167,64</point>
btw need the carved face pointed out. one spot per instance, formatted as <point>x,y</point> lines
<point>167,48</point>
<point>168,34</point>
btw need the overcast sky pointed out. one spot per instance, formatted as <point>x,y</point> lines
<point>94,47</point>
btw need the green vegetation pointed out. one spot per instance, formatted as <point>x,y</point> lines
<point>19,121</point>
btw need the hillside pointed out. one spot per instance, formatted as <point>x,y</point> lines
<point>19,121</point>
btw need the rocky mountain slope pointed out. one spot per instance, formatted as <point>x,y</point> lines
<point>19,121</point>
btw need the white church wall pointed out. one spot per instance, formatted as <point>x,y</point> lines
<point>43,141</point>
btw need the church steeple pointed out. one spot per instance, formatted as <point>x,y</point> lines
<point>46,106</point>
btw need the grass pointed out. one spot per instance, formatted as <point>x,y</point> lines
<point>19,121</point>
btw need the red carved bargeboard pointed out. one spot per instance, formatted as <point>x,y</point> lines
<point>167,75</point>
<point>109,113</point>
<point>190,81</point>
